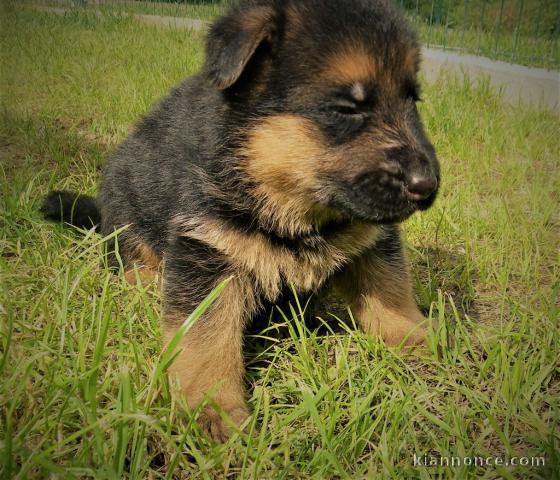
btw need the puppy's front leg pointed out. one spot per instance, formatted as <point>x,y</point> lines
<point>210,365</point>
<point>378,288</point>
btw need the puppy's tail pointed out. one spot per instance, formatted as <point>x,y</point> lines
<point>78,210</point>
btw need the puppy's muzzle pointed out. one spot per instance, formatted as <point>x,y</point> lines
<point>420,186</point>
<point>417,171</point>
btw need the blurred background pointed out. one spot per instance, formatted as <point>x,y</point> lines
<point>518,31</point>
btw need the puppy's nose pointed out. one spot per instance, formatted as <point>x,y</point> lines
<point>420,187</point>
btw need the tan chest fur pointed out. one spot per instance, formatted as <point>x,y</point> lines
<point>273,265</point>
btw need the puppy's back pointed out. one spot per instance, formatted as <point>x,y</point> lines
<point>148,178</point>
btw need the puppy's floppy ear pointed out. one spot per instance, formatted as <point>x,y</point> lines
<point>232,41</point>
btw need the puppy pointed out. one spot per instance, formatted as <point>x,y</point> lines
<point>288,161</point>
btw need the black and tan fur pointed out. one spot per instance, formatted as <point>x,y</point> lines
<point>288,161</point>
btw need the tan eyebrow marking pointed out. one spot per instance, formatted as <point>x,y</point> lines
<point>351,65</point>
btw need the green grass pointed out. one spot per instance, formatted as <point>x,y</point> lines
<point>82,388</point>
<point>478,30</point>
<point>204,10</point>
<point>534,51</point>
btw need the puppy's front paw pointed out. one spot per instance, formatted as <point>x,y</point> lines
<point>415,335</point>
<point>407,328</point>
<point>218,428</point>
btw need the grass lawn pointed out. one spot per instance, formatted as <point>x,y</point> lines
<point>81,389</point>
<point>529,46</point>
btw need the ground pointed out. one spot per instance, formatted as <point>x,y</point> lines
<point>82,386</point>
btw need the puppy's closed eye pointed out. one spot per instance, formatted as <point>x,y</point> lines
<point>342,119</point>
<point>345,107</point>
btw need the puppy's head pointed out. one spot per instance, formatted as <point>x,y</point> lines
<point>326,92</point>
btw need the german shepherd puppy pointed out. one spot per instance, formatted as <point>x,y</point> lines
<point>288,161</point>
